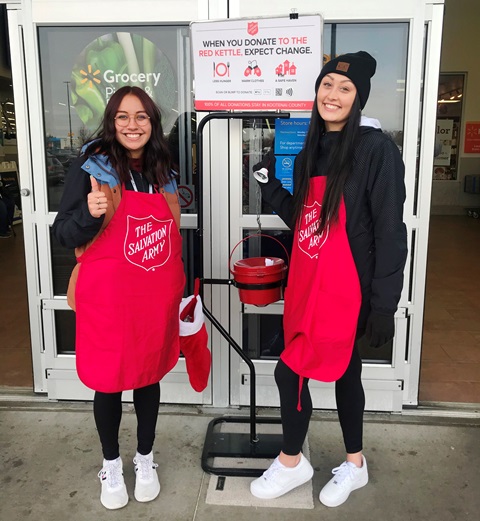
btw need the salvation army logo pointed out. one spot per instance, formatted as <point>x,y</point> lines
<point>147,241</point>
<point>252,28</point>
<point>308,240</point>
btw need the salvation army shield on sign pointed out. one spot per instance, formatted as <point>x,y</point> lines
<point>252,28</point>
<point>147,241</point>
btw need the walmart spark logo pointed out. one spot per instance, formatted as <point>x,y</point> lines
<point>90,76</point>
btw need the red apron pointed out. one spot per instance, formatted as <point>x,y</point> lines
<point>322,298</point>
<point>130,285</point>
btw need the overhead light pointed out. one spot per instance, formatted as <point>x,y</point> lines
<point>450,96</point>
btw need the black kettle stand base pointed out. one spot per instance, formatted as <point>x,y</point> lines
<point>237,445</point>
<point>231,444</point>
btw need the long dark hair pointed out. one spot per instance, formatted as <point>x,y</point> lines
<point>339,164</point>
<point>157,162</point>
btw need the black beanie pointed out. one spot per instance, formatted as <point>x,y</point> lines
<point>359,67</point>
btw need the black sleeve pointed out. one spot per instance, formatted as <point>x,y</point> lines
<point>74,226</point>
<point>279,198</point>
<point>387,196</point>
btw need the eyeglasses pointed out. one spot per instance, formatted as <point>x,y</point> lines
<point>124,119</point>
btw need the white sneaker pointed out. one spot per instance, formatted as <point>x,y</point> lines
<point>347,478</point>
<point>114,493</point>
<point>278,479</point>
<point>147,486</point>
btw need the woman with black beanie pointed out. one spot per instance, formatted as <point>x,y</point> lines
<point>346,270</point>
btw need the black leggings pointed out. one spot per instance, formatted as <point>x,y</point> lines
<point>107,411</point>
<point>350,405</point>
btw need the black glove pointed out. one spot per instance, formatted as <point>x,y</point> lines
<point>380,329</point>
<point>268,163</point>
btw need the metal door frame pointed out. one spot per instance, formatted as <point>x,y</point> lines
<point>387,387</point>
<point>222,155</point>
<point>55,373</point>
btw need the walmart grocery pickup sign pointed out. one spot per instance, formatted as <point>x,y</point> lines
<point>261,64</point>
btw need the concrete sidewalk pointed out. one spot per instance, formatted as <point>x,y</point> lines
<point>422,466</point>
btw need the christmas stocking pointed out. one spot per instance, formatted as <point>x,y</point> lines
<point>194,339</point>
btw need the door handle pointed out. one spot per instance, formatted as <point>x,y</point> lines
<point>25,192</point>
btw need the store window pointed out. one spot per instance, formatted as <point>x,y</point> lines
<point>81,67</point>
<point>449,115</point>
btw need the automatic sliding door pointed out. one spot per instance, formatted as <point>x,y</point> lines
<point>81,67</point>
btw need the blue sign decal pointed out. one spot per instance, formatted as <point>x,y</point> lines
<point>284,171</point>
<point>290,135</point>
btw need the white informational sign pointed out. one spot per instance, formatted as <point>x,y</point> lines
<point>257,64</point>
<point>444,136</point>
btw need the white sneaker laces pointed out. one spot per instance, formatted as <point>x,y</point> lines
<point>272,470</point>
<point>113,473</point>
<point>343,472</point>
<point>144,467</point>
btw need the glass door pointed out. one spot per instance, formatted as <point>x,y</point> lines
<point>394,102</point>
<point>65,72</point>
<point>51,50</point>
<point>80,68</point>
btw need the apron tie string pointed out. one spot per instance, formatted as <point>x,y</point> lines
<point>300,385</point>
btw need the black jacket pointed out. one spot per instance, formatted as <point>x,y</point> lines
<point>374,195</point>
<point>73,225</point>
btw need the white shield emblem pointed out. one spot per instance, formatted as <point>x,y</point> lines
<point>308,240</point>
<point>147,241</point>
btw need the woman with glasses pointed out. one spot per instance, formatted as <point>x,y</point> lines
<point>120,212</point>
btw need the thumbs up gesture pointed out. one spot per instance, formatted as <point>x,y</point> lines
<point>97,202</point>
